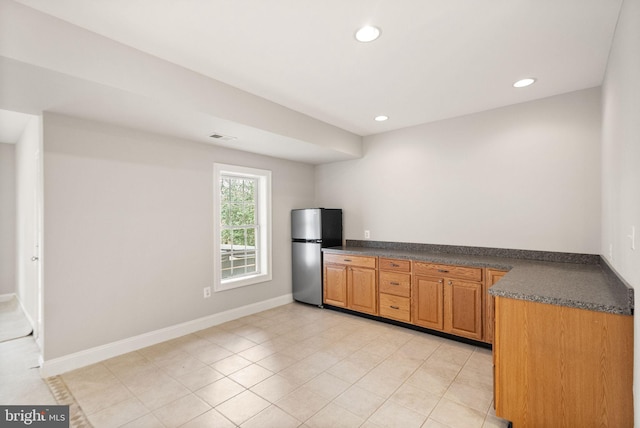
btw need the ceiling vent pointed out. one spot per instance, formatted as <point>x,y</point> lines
<point>221,137</point>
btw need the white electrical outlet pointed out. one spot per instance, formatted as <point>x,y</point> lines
<point>367,234</point>
<point>207,292</point>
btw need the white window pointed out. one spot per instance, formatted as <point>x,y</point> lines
<point>242,226</point>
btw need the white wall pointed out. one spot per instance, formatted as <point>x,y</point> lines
<point>128,232</point>
<point>28,167</point>
<point>525,176</point>
<point>7,218</point>
<point>621,161</point>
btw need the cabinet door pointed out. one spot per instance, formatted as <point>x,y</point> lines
<point>427,302</point>
<point>463,300</point>
<point>335,285</point>
<point>362,290</point>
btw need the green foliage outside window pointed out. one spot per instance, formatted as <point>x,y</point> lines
<point>238,225</point>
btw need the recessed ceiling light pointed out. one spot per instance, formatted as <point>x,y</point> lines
<point>368,33</point>
<point>381,118</point>
<point>524,82</point>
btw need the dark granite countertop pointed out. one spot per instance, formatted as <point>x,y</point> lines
<point>574,280</point>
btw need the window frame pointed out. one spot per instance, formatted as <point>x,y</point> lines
<point>263,211</point>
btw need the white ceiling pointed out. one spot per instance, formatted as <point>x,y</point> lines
<point>435,59</point>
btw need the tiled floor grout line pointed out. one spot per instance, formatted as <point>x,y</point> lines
<point>442,396</point>
<point>331,401</point>
<point>451,383</point>
<point>486,413</point>
<point>160,367</point>
<point>394,391</point>
<point>309,381</point>
<point>370,370</point>
<point>124,385</point>
<point>400,386</point>
<point>297,337</point>
<point>318,375</point>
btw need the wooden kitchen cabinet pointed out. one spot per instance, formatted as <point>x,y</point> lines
<point>492,276</point>
<point>394,282</point>
<point>436,296</point>
<point>558,366</point>
<point>448,298</point>
<point>351,282</point>
<point>427,302</point>
<point>362,293</point>
<point>463,308</point>
<point>335,285</point>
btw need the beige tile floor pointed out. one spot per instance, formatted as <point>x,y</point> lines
<point>292,366</point>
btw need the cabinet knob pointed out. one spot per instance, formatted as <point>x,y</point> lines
<point>450,283</point>
<point>439,281</point>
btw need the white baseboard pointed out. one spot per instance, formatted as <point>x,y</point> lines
<point>11,296</point>
<point>76,360</point>
<point>6,297</point>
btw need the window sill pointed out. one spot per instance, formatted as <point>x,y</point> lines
<point>230,284</point>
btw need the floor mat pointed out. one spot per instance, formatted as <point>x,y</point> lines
<point>13,322</point>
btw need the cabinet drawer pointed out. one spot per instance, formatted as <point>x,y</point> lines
<point>395,307</point>
<point>395,265</point>
<point>449,271</point>
<point>395,283</point>
<point>351,260</point>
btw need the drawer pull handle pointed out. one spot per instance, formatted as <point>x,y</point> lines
<point>443,270</point>
<point>394,307</point>
<point>394,283</point>
<point>347,260</point>
<point>394,265</point>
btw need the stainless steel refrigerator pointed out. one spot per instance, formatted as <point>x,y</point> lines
<point>311,230</point>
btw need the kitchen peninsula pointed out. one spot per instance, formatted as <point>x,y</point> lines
<point>560,324</point>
